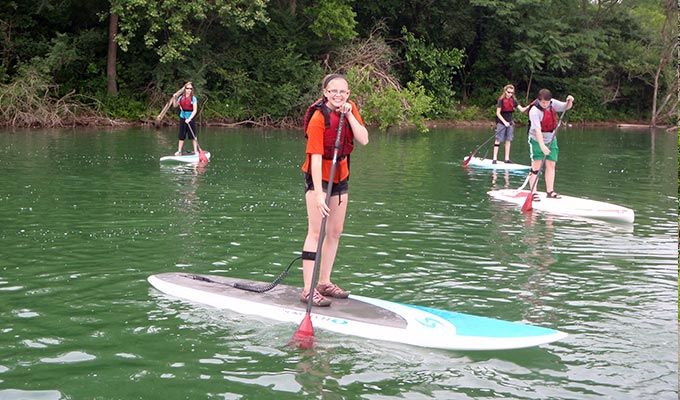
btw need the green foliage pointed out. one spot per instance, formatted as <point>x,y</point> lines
<point>468,113</point>
<point>77,52</point>
<point>388,107</point>
<point>384,108</point>
<point>583,48</point>
<point>419,105</point>
<point>172,27</point>
<point>124,107</point>
<point>334,20</point>
<point>271,83</point>
<point>528,57</point>
<point>267,76</point>
<point>263,60</point>
<point>433,68</point>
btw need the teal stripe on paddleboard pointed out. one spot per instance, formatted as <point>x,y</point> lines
<point>471,325</point>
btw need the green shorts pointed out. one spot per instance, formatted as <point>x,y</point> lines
<point>536,153</point>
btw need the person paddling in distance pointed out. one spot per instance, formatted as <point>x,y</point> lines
<point>188,106</point>
<point>505,127</point>
<point>321,126</point>
<point>543,122</point>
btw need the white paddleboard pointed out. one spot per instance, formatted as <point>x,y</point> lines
<point>185,158</point>
<point>488,163</point>
<point>568,206</point>
<point>359,316</point>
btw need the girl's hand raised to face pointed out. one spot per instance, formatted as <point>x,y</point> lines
<point>346,108</point>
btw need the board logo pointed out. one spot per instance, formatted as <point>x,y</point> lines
<point>429,322</point>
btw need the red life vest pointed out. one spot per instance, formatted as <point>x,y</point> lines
<point>185,103</point>
<point>549,121</point>
<point>331,122</point>
<point>508,104</point>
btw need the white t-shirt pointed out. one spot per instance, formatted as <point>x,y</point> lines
<point>536,116</point>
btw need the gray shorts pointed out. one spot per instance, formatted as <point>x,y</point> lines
<point>503,133</point>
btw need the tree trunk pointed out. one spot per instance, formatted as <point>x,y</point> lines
<point>669,45</point>
<point>112,86</point>
<point>292,6</point>
<point>652,123</point>
<point>531,77</point>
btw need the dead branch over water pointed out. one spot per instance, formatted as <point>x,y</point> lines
<point>373,56</point>
<point>30,102</point>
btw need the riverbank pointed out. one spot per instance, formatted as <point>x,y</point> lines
<point>429,124</point>
<point>489,123</point>
<point>95,121</point>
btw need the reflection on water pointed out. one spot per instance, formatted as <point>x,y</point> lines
<point>184,202</point>
<point>503,183</point>
<point>88,216</point>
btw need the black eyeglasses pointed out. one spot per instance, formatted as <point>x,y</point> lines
<point>190,88</point>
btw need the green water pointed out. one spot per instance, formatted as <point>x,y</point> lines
<point>86,216</point>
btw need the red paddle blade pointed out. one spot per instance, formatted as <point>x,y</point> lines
<point>468,158</point>
<point>526,207</point>
<point>304,336</point>
<point>202,158</point>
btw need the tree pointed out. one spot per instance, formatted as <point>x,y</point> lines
<point>433,68</point>
<point>112,86</point>
<point>669,46</point>
<point>656,47</point>
<point>333,20</point>
<point>172,27</point>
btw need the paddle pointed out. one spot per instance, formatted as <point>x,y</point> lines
<point>304,336</point>
<point>526,207</point>
<point>202,158</point>
<point>165,109</point>
<point>467,159</point>
<point>526,180</point>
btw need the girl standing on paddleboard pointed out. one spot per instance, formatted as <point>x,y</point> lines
<point>188,106</point>
<point>321,126</point>
<point>505,128</point>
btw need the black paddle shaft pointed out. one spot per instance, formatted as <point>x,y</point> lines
<point>322,233</point>
<point>469,157</point>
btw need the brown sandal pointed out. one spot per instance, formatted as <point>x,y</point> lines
<point>332,290</point>
<point>317,300</point>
